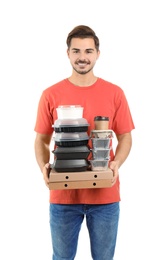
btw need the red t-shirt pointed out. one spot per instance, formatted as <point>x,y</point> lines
<point>101,98</point>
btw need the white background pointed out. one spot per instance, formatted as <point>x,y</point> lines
<point>32,57</point>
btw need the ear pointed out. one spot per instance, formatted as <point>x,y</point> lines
<point>67,52</point>
<point>98,54</point>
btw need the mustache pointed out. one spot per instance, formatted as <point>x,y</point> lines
<point>82,62</point>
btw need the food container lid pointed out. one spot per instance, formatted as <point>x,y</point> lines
<point>68,122</point>
<point>77,149</point>
<point>69,163</point>
<point>70,106</point>
<point>99,160</point>
<point>100,149</point>
<point>101,133</point>
<point>101,118</point>
<point>76,136</point>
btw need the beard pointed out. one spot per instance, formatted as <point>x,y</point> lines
<point>82,72</point>
<point>83,63</point>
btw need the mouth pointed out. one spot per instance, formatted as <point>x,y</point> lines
<point>82,63</point>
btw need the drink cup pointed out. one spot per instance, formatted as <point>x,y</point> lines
<point>101,122</point>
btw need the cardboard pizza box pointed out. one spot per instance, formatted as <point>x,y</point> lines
<point>80,180</point>
<point>79,176</point>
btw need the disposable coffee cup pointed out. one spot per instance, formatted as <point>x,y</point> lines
<point>101,122</point>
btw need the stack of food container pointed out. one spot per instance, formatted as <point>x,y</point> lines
<point>101,138</point>
<point>72,154</point>
<point>71,140</point>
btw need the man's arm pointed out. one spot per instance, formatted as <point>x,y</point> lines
<point>42,153</point>
<point>122,151</point>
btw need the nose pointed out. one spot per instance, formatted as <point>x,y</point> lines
<point>82,56</point>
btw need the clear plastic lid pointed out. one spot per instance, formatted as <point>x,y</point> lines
<point>70,106</point>
<point>101,133</point>
<point>71,122</point>
<point>76,136</point>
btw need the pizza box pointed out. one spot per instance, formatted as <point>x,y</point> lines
<point>80,180</point>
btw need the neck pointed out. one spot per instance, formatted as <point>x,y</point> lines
<point>82,80</point>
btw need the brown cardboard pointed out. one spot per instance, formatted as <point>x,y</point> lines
<point>80,184</point>
<point>79,176</point>
<point>79,180</point>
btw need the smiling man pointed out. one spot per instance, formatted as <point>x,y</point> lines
<point>100,206</point>
<point>83,58</point>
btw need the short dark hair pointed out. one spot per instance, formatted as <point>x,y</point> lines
<point>82,31</point>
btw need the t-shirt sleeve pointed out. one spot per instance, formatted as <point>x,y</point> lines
<point>44,119</point>
<point>122,122</point>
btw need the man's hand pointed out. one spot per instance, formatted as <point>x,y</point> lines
<point>114,167</point>
<point>46,172</point>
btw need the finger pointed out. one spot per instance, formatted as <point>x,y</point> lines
<point>47,165</point>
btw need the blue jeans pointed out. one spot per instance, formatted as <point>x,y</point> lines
<point>102,223</point>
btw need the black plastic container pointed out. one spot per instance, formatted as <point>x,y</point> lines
<point>76,165</point>
<point>70,125</point>
<point>73,143</point>
<point>71,139</point>
<point>79,152</point>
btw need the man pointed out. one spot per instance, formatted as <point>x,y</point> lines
<point>98,97</point>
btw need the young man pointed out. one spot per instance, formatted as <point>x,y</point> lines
<point>100,206</point>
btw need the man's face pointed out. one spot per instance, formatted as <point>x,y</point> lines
<point>82,54</point>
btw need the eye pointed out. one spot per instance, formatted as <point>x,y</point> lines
<point>89,51</point>
<point>76,51</point>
